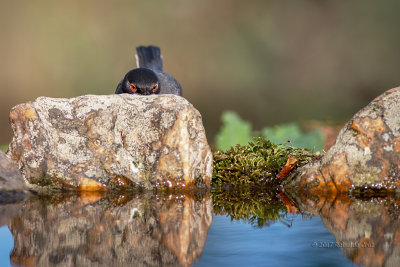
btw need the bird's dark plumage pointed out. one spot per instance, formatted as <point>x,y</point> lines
<point>149,77</point>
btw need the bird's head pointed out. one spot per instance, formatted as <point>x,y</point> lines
<point>141,81</point>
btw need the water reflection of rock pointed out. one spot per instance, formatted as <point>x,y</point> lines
<point>367,231</point>
<point>166,230</point>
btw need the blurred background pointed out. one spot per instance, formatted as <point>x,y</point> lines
<point>270,61</point>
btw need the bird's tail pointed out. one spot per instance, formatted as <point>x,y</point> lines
<point>149,57</point>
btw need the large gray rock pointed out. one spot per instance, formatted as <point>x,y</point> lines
<point>12,184</point>
<point>97,142</point>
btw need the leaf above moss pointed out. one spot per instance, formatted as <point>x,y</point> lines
<point>234,130</point>
<point>292,133</point>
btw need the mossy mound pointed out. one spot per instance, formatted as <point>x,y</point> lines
<point>259,163</point>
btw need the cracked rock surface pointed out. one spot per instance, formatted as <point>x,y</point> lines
<point>95,142</point>
<point>366,153</point>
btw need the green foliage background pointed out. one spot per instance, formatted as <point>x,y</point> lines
<point>291,133</point>
<point>235,130</point>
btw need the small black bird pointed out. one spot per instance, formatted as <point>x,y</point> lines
<point>149,77</point>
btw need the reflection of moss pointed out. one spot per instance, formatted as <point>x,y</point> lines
<point>258,207</point>
<point>257,163</point>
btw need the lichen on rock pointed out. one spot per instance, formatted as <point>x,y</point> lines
<point>97,142</point>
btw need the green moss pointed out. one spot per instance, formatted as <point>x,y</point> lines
<point>256,164</point>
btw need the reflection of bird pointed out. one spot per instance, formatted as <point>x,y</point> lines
<point>149,77</point>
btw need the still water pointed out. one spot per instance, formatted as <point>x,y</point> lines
<point>199,230</point>
<point>240,244</point>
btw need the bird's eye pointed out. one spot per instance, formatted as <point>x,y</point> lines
<point>133,87</point>
<point>155,88</point>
